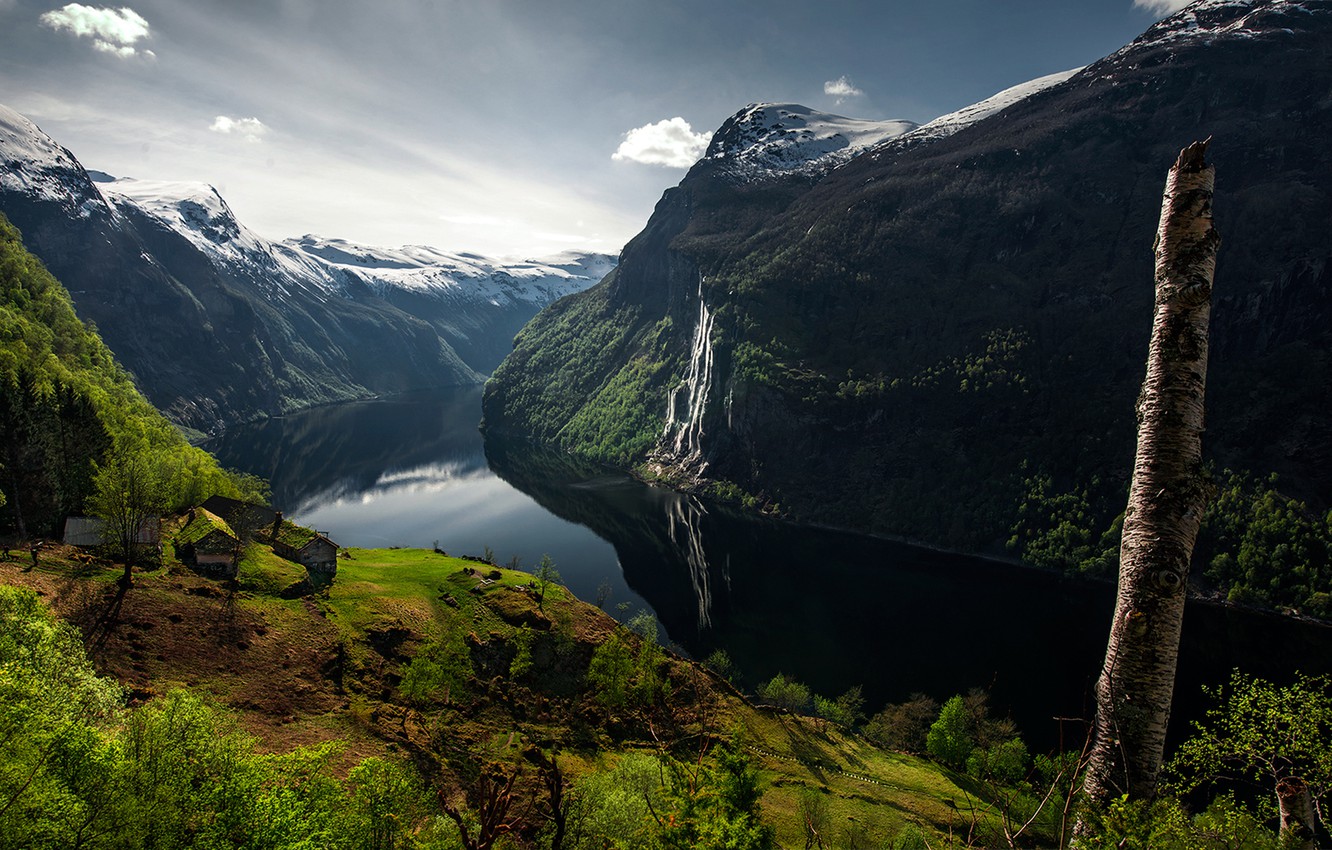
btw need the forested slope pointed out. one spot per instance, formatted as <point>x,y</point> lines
<point>66,406</point>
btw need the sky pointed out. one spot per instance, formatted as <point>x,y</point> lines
<point>511,128</point>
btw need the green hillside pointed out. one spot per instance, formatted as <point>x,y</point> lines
<point>67,409</point>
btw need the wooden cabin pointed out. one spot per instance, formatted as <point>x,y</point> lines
<point>87,531</point>
<point>208,544</point>
<point>307,547</point>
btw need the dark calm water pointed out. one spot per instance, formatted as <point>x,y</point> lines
<point>828,608</point>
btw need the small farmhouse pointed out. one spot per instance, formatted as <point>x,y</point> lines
<point>305,546</point>
<point>208,543</point>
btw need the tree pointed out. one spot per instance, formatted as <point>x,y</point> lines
<point>557,809</point>
<point>950,738</point>
<point>903,726</point>
<point>1277,737</point>
<point>386,803</point>
<point>497,809</point>
<point>610,671</point>
<point>709,808</point>
<point>785,693</point>
<point>128,490</point>
<point>1166,499</point>
<point>846,711</point>
<point>719,662</point>
<point>813,805</point>
<point>52,708</point>
<point>543,578</point>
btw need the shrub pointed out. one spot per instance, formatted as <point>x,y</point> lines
<point>949,739</point>
<point>785,693</point>
<point>903,726</point>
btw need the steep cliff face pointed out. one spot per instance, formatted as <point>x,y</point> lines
<point>903,342</point>
<point>627,369</point>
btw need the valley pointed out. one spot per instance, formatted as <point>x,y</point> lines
<point>794,522</point>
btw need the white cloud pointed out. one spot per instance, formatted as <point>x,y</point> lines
<point>249,129</point>
<point>841,88</point>
<point>114,31</point>
<point>1161,8</point>
<point>670,142</point>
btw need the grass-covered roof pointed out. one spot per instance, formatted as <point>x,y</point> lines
<point>293,535</point>
<point>204,523</point>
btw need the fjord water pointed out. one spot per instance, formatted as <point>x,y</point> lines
<point>828,608</point>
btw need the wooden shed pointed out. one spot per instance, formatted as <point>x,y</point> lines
<point>307,547</point>
<point>86,531</point>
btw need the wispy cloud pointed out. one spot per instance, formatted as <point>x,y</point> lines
<point>114,31</point>
<point>1161,8</point>
<point>841,88</point>
<point>670,142</point>
<point>249,129</point>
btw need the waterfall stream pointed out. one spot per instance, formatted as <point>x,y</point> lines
<point>684,432</point>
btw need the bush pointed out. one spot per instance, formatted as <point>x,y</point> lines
<point>785,693</point>
<point>1004,762</point>
<point>910,837</point>
<point>720,663</point>
<point>949,739</point>
<point>903,726</point>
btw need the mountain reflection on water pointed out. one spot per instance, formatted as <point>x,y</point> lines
<point>828,608</point>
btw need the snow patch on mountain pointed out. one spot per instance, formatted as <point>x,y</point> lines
<point>195,210</point>
<point>198,213</point>
<point>766,140</point>
<point>1209,20</point>
<point>429,271</point>
<point>33,165</point>
<point>947,125</point>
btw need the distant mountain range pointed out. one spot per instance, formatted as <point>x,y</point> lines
<point>220,325</point>
<point>920,331</point>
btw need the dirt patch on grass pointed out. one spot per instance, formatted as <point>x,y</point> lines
<point>172,629</point>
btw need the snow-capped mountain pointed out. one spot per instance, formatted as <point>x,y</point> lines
<point>423,269</point>
<point>220,324</point>
<point>197,212</point>
<point>765,140</point>
<point>34,166</point>
<point>1209,20</point>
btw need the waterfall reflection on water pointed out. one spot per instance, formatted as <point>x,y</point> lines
<point>683,520</point>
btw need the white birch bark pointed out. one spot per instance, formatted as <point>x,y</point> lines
<point>1166,499</point>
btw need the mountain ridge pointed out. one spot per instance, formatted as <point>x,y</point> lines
<point>907,342</point>
<point>220,325</point>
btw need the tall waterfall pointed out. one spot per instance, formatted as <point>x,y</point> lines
<point>686,427</point>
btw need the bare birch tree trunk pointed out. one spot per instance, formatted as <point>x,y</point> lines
<point>1166,500</point>
<point>1295,807</point>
